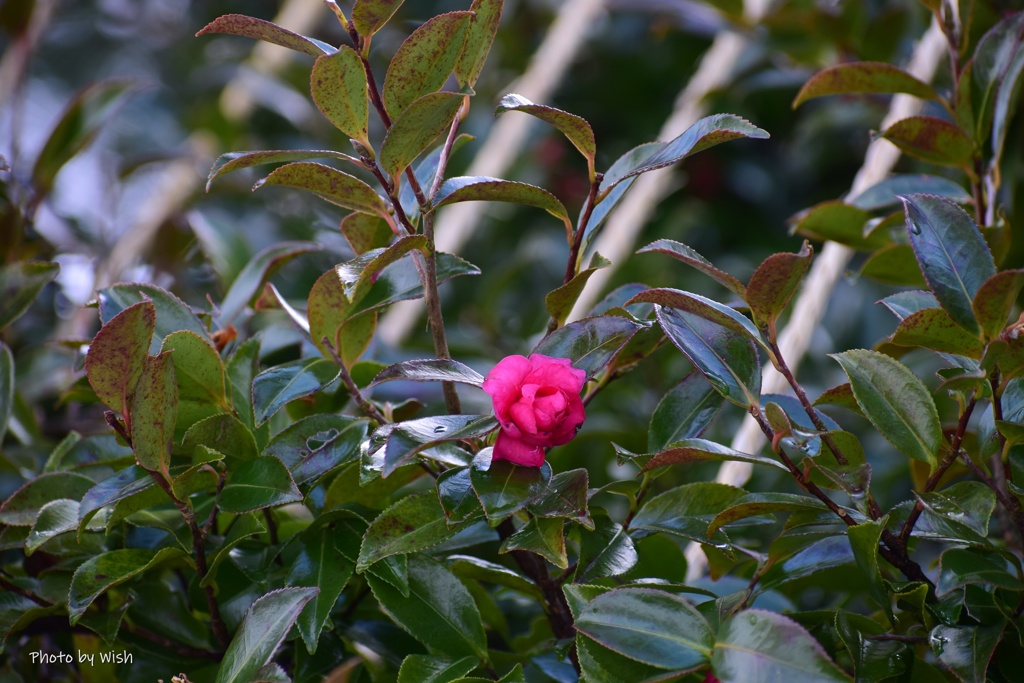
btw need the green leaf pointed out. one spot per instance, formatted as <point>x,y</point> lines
<point>438,610</point>
<point>234,161</point>
<point>542,536</point>
<point>862,77</point>
<point>607,550</point>
<point>894,264</point>
<point>963,510</point>
<point>932,139</point>
<point>370,15</point>
<point>687,510</point>
<point>434,669</point>
<point>329,309</point>
<point>197,367</point>
<point>86,113</point>
<point>407,439</point>
<point>952,253</point>
<point>559,302</point>
<point>223,433</point>
<point>959,567</point>
<point>895,401</point>
<point>565,496</point>
<point>154,409</point>
<point>705,133</point>
<point>887,192</point>
<point>485,189</point>
<point>20,284</point>
<point>998,65</point>
<point>172,314</point>
<point>419,124</point>
<point>757,504</point>
<point>17,612</point>
<point>729,361</point>
<point>650,626</point>
<point>426,172</point>
<point>932,328</point>
<point>100,573</point>
<point>322,566</point>
<point>249,284</point>
<point>265,625</point>
<point>504,488</point>
<point>874,660</point>
<point>482,29</point>
<point>6,388</point>
<point>698,450</point>
<point>117,355</point>
<point>429,370</point>
<point>966,650</point>
<point>684,412</point>
<point>338,86</point>
<point>455,492</point>
<point>598,663</point>
<point>259,29</point>
<point>681,252</point>
<point>401,281</point>
<point>573,127</point>
<point>774,282</point>
<point>994,301</point>
<point>316,445</point>
<point>119,486</point>
<point>55,518</point>
<point>331,185</point>
<point>838,222</point>
<point>364,231</point>
<point>256,484</point>
<point>476,569</point>
<point>864,540</point>
<point>276,386</point>
<point>590,343</point>
<point>759,641</point>
<point>413,524</point>
<point>245,526</point>
<point>700,306</point>
<point>241,369</point>
<point>611,190</point>
<point>424,61</point>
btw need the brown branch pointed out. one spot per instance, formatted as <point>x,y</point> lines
<point>368,408</point>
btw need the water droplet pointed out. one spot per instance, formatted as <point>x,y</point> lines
<point>915,228</point>
<point>439,429</point>
<point>753,619</point>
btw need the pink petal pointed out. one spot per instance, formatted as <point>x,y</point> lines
<point>521,413</point>
<point>515,451</point>
<point>503,381</point>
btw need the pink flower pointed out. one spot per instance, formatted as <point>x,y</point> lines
<point>537,402</point>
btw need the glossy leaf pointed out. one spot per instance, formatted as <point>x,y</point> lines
<point>681,252</point>
<point>20,284</point>
<point>952,253</point>
<point>653,627</point>
<point>838,222</point>
<point>241,369</point>
<point>248,285</point>
<point>606,551</point>
<point>707,132</point>
<point>774,282</point>
<point>504,488</point>
<point>438,610</point>
<point>265,625</point>
<point>434,669</point>
<point>873,660</point>
<point>485,189</point>
<point>959,567</point>
<point>543,536</point>
<point>401,281</point>
<point>99,573</point>
<point>565,496</point>
<point>276,386</point>
<point>698,450</point>
<point>407,439</point>
<point>611,190</point>
<point>573,127</point>
<point>235,161</point>
<point>994,300</point>
<point>329,184</point>
<point>887,192</point>
<point>758,504</point>
<point>482,29</point>
<point>455,492</point>
<point>864,540</point>
<point>424,61</point>
<point>315,445</point>
<point>223,433</point>
<point>329,309</point>
<point>338,86</point>
<point>932,139</point>
<point>687,510</point>
<point>999,64</point>
<point>413,524</point>
<point>55,518</point>
<point>703,307</point>
<point>932,328</point>
<point>120,485</point>
<point>429,370</point>
<point>364,232</point>
<point>559,302</point>
<point>895,401</point>
<point>118,353</point>
<point>6,388</point>
<point>894,264</point>
<point>79,124</point>
<point>360,272</point>
<point>598,663</point>
<point>589,343</point>
<point>426,172</point>
<point>728,360</point>
<point>765,642</point>
<point>419,124</point>
<point>259,29</point>
<point>322,566</point>
<point>154,409</point>
<point>966,650</point>
<point>862,77</point>
<point>684,412</point>
<point>197,367</point>
<point>255,484</point>
<point>370,15</point>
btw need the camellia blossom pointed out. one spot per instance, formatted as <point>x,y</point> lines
<point>537,402</point>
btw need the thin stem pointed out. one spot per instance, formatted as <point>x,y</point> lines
<point>572,265</point>
<point>368,408</point>
<point>899,638</point>
<point>936,476</point>
<point>434,314</point>
<point>1009,503</point>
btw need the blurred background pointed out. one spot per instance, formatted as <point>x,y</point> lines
<point>116,192</point>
